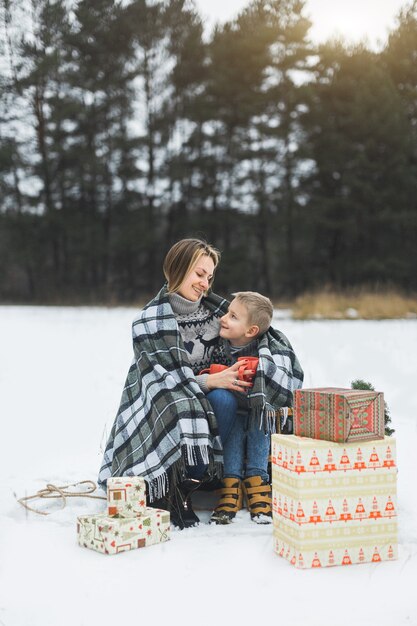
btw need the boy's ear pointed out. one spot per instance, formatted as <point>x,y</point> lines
<point>252,331</point>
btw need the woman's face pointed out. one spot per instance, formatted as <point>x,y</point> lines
<point>197,280</point>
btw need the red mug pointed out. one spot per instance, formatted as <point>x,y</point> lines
<point>252,364</point>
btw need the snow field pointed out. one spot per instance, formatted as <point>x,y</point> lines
<point>61,375</point>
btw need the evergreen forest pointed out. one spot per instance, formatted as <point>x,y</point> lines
<point>125,126</point>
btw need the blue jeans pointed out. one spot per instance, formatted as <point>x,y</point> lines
<point>224,406</point>
<point>238,442</point>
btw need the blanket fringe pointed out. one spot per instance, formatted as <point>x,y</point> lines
<point>158,487</point>
<point>192,456</point>
<point>263,417</point>
<point>161,485</point>
<point>283,416</point>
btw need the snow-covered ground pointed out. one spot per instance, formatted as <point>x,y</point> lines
<point>61,376</point>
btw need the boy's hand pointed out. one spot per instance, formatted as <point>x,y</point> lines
<point>228,379</point>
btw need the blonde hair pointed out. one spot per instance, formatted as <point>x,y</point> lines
<point>259,308</point>
<point>182,257</point>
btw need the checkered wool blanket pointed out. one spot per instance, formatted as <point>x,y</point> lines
<point>164,420</point>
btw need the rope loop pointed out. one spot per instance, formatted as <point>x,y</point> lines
<point>52,491</point>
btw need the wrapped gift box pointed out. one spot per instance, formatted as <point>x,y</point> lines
<point>126,496</point>
<point>112,535</point>
<point>343,546</point>
<point>334,503</point>
<point>341,415</point>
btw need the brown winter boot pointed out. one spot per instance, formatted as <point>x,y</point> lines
<point>230,502</point>
<point>258,497</point>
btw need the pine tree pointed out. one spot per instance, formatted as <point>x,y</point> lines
<point>358,139</point>
<point>185,113</point>
<point>361,384</point>
<point>277,164</point>
<point>100,78</point>
<point>399,59</point>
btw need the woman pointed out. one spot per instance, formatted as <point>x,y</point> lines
<point>165,429</point>
<point>172,420</point>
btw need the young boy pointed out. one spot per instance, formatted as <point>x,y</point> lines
<point>245,331</point>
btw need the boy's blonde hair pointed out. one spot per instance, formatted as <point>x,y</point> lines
<point>182,257</point>
<point>259,308</point>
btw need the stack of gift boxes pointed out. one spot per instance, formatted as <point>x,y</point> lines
<point>128,522</point>
<point>334,481</point>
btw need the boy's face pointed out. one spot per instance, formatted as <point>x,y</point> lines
<point>235,326</point>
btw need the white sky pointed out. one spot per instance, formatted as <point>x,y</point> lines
<point>353,19</point>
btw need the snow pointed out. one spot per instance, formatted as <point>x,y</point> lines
<point>61,375</point>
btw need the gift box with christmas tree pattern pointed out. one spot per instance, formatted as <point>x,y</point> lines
<point>339,415</point>
<point>126,496</point>
<point>334,504</point>
<point>112,535</point>
<point>318,547</point>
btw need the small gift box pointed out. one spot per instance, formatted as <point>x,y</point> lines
<point>340,415</point>
<point>111,535</point>
<point>126,496</point>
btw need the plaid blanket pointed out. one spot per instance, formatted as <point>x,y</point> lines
<point>278,375</point>
<point>164,421</point>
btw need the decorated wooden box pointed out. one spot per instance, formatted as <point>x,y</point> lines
<point>112,535</point>
<point>334,504</point>
<point>339,415</point>
<point>126,496</point>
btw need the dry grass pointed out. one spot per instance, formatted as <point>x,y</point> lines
<point>354,305</point>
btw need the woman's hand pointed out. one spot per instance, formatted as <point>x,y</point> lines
<point>228,379</point>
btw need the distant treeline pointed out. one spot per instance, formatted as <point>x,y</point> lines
<point>124,128</point>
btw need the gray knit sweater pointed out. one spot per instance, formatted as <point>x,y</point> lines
<point>199,330</point>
